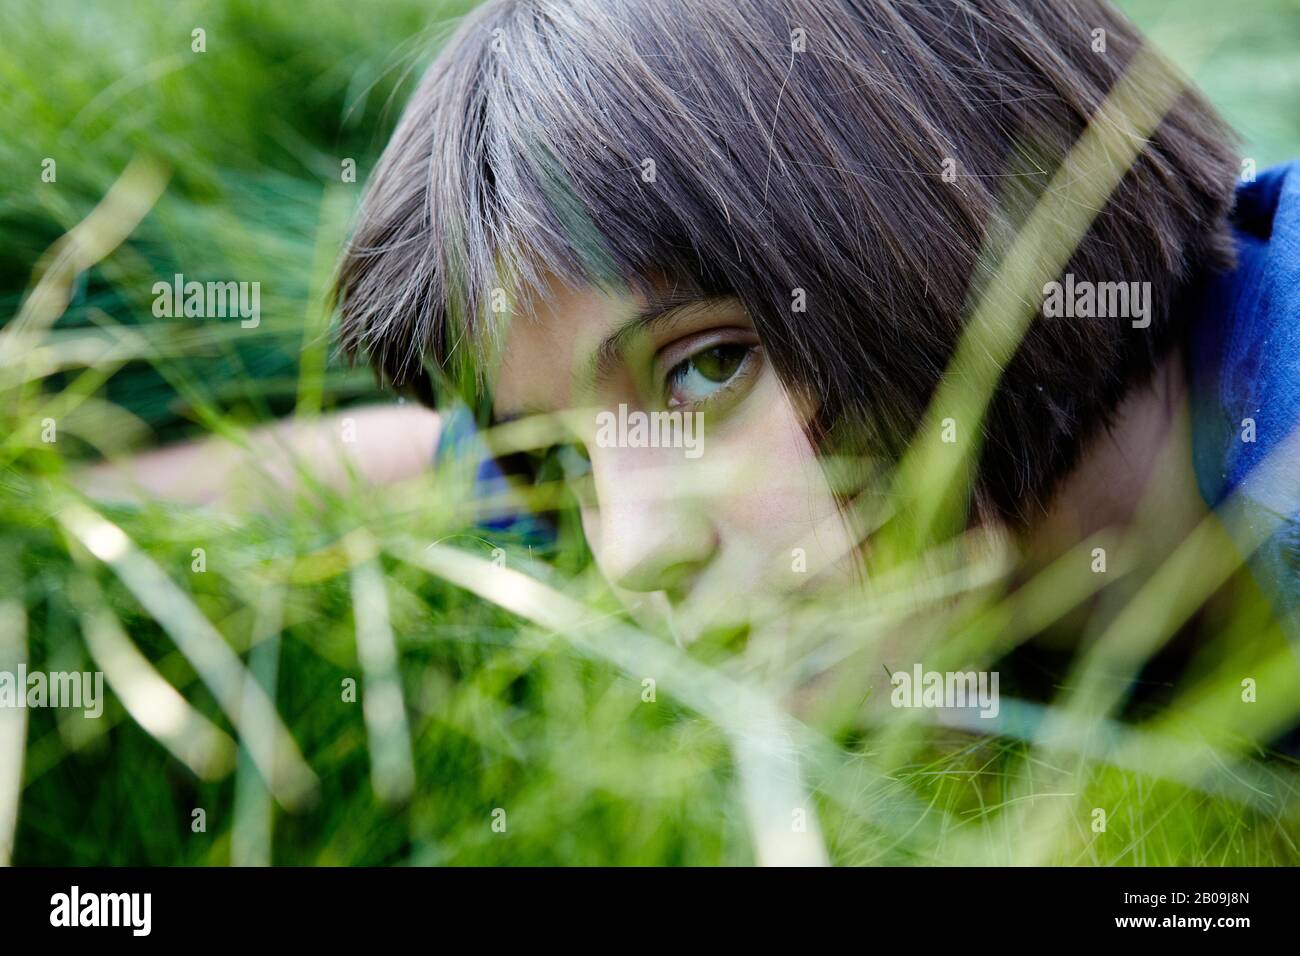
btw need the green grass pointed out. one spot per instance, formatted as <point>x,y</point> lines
<point>518,695</point>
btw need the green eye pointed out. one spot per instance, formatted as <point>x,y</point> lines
<point>706,373</point>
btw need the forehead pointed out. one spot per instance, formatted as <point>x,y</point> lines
<point>549,339</point>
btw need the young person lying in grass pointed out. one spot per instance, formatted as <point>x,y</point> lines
<point>783,215</point>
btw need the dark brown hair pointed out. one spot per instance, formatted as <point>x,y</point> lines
<point>797,145</point>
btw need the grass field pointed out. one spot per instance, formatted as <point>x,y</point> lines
<point>526,735</point>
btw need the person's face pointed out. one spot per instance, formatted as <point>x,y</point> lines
<point>690,536</point>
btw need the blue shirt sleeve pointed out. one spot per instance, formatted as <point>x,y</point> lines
<point>1244,365</point>
<point>460,445</point>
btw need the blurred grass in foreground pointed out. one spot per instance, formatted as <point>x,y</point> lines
<point>545,720</point>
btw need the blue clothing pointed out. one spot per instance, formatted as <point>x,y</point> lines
<point>1244,369</point>
<point>461,445</point>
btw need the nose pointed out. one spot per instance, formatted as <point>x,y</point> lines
<point>648,534</point>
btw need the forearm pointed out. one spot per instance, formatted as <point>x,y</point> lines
<point>379,445</point>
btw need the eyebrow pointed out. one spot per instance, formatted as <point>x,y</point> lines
<point>662,314</point>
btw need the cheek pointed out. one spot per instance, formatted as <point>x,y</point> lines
<point>779,500</point>
<point>778,490</point>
